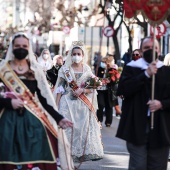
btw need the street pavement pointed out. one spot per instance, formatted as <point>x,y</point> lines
<point>115,153</point>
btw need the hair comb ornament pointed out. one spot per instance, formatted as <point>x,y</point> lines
<point>77,43</point>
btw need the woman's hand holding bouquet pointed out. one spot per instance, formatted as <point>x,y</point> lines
<point>93,83</point>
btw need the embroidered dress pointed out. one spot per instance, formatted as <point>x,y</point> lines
<point>20,136</point>
<point>26,140</point>
<point>85,137</point>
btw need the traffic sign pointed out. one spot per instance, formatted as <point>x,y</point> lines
<point>108,31</point>
<point>66,29</point>
<point>159,31</point>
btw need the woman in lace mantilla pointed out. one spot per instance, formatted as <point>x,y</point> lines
<point>45,60</point>
<point>26,143</point>
<point>85,137</point>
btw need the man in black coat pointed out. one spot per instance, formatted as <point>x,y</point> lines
<point>148,147</point>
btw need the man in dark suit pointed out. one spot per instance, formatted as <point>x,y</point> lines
<point>148,147</point>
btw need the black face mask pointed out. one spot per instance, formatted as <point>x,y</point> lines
<point>58,66</point>
<point>147,55</point>
<point>20,53</point>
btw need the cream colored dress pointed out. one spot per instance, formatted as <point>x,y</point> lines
<point>85,137</point>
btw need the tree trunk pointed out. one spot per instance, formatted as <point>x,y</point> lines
<point>116,45</point>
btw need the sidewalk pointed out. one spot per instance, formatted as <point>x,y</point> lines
<point>115,153</point>
<point>116,156</point>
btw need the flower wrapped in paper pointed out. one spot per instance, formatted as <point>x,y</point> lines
<point>93,83</point>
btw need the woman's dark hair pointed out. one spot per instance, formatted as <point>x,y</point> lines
<point>77,48</point>
<point>17,36</point>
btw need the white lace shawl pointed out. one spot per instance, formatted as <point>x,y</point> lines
<point>46,93</point>
<point>86,74</point>
<point>39,75</point>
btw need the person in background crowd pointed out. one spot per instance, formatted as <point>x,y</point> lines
<point>37,48</point>
<point>79,105</point>
<point>52,74</point>
<point>45,60</point>
<point>102,96</point>
<point>127,57</point>
<point>112,66</point>
<point>97,60</point>
<point>26,129</point>
<point>106,97</point>
<point>148,147</point>
<point>167,60</point>
<point>136,54</point>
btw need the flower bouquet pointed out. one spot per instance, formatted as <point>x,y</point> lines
<point>93,83</point>
<point>113,75</point>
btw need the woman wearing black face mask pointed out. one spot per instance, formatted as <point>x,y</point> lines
<point>28,131</point>
<point>20,53</point>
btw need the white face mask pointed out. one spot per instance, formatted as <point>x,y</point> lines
<point>45,56</point>
<point>77,59</point>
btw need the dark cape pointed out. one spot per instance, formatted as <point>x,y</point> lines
<point>135,87</point>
